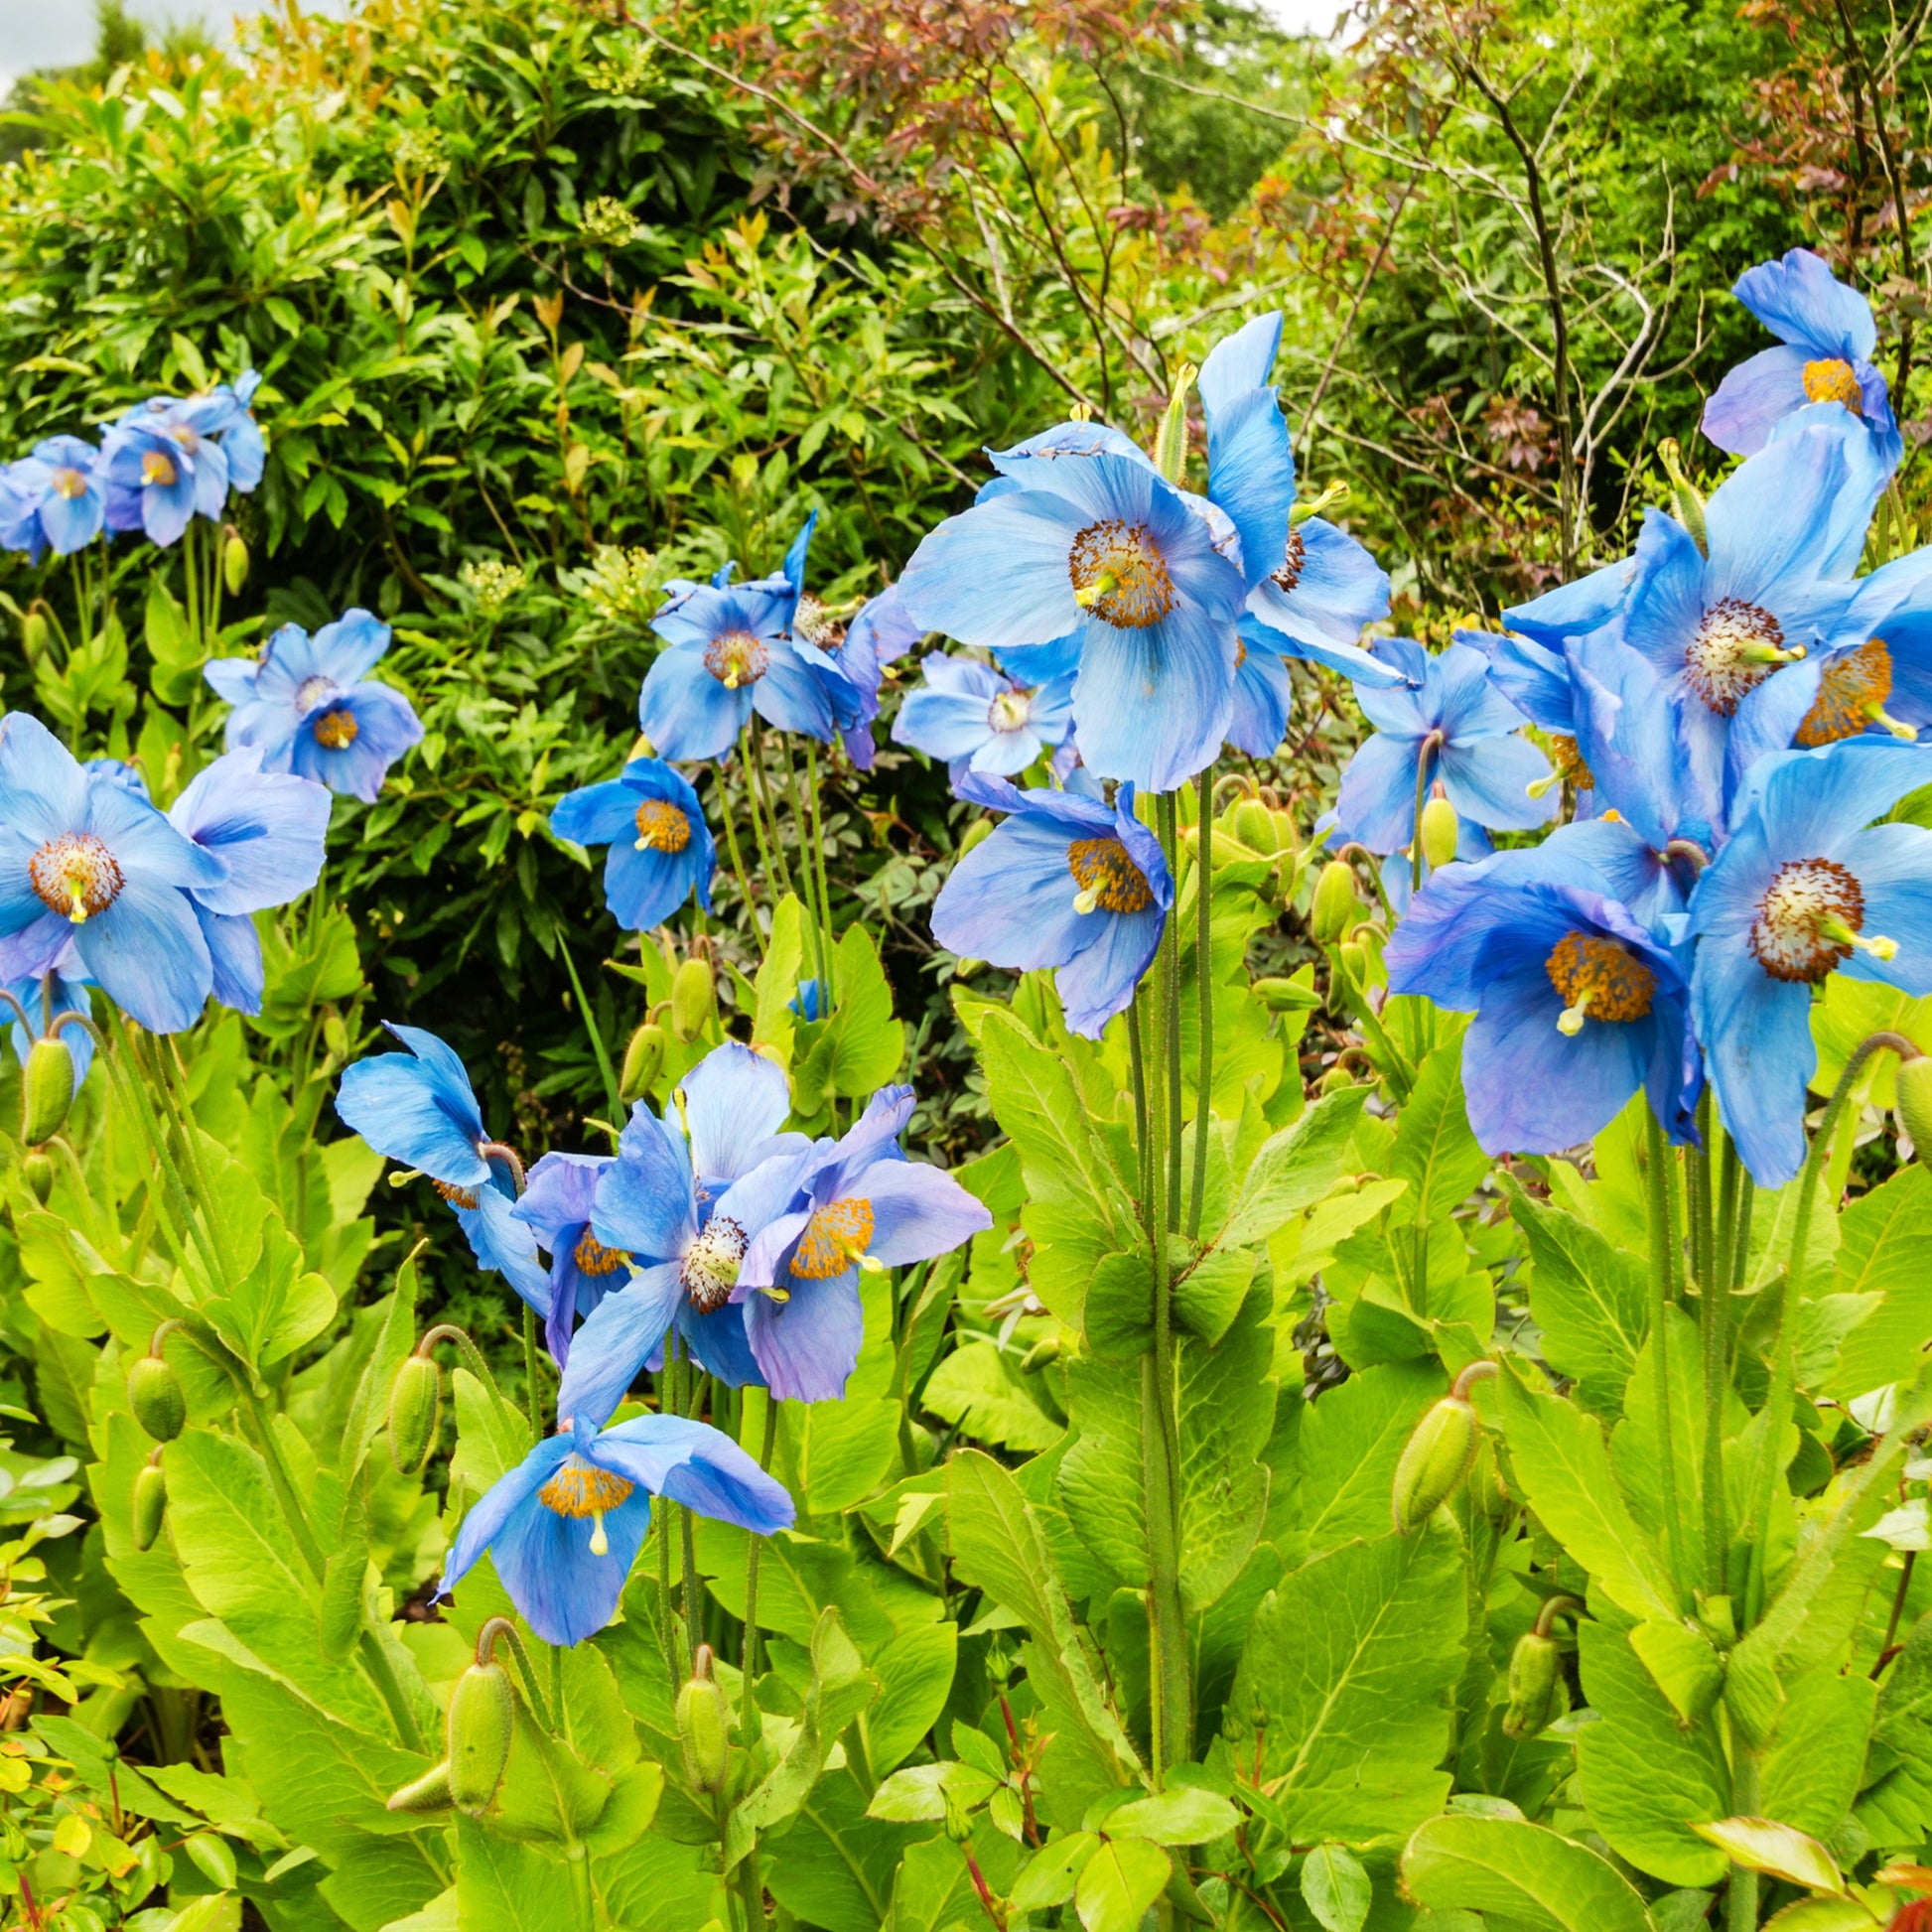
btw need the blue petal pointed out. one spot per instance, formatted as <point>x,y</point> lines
<point>685,712</point>
<point>918,1213</point>
<point>1339,591</point>
<point>43,790</point>
<point>1489,781</point>
<point>1151,706</point>
<point>644,887</point>
<point>643,1203</point>
<point>1893,867</point>
<point>351,647</point>
<point>1263,695</point>
<point>147,953</point>
<point>699,1466</point>
<point>1571,610</point>
<point>544,1561</point>
<point>997,575</point>
<point>1756,1034</point>
<point>497,1505</point>
<point>807,1346</point>
<point>559,1194</point>
<point>1534,678</point>
<point>268,829</point>
<point>613,1345</point>
<point>734,1101</point>
<point>717,1342</point>
<point>1100,980</point>
<point>505,1245</point>
<point>1755,397</point>
<point>234,951</point>
<point>791,697</point>
<point>420,1110</point>
<point>1241,362</point>
<point>1765,521</point>
<point>597,815</point>
<point>1251,475</point>
<point>1376,806</point>
<point>1798,300</point>
<point>1010,901</point>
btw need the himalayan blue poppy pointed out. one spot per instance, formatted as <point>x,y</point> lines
<point>975,718</point>
<point>660,849</point>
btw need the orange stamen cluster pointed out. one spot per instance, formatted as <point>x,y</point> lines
<point>834,1239</point>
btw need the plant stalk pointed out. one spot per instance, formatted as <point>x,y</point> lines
<point>1204,985</point>
<point>1662,1299</point>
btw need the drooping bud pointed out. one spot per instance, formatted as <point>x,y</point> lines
<point>1170,443</point>
<point>1285,996</point>
<point>340,1613</point>
<point>1535,1685</point>
<point>150,1503</point>
<point>482,1716</point>
<point>1433,1461</point>
<point>1045,1351</point>
<point>37,1168</point>
<point>1336,906</point>
<point>155,1395</point>
<point>1254,825</point>
<point>644,1058</point>
<point>430,1792</point>
<point>701,1723</point>
<point>234,562</point>
<point>1914,1101</point>
<point>694,999</point>
<point>1335,1079</point>
<point>45,1091</point>
<point>1354,959</point>
<point>1439,830</point>
<point>415,1414</point>
<point>33,634</point>
<point>1686,498</point>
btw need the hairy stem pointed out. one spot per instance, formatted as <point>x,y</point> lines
<point>1663,1275</point>
<point>1205,987</point>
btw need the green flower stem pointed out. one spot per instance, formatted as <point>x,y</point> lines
<point>532,1394</point>
<point>729,819</point>
<point>814,906</point>
<point>1783,1349</point>
<point>1171,1009</point>
<point>1714,1328</point>
<point>1396,1068</point>
<point>473,1358</point>
<point>1741,1259</point>
<point>748,1716</point>
<point>667,1634</point>
<point>818,859</point>
<point>1424,751</point>
<point>1663,1296</point>
<point>773,880</point>
<point>761,806</point>
<point>613,1095</point>
<point>1204,985</point>
<point>1740,1894</point>
<point>1137,1055</point>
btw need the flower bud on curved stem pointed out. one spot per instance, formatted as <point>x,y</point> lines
<point>1537,1692</point>
<point>1438,1455</point>
<point>702,1723</point>
<point>45,1091</point>
<point>1912,1097</point>
<point>154,1391</point>
<point>482,1719</point>
<point>150,1500</point>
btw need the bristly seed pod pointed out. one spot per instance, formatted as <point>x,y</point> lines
<point>1433,1461</point>
<point>694,999</point>
<point>701,1725</point>
<point>1254,825</point>
<point>643,1060</point>
<point>234,562</point>
<point>154,1393</point>
<point>1914,1101</point>
<point>415,1414</point>
<point>150,1501</point>
<point>38,1169</point>
<point>430,1792</point>
<point>1336,906</point>
<point>1535,1685</point>
<point>45,1091</point>
<point>482,1716</point>
<point>1438,832</point>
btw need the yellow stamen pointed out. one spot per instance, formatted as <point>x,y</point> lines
<point>835,1237</point>
<point>1599,979</point>
<point>661,826</point>
<point>1833,379</point>
<point>579,1489</point>
<point>1107,876</point>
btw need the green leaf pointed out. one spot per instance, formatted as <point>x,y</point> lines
<point>1335,1888</point>
<point>507,1888</point>
<point>1227,1415</point>
<point>1209,1296</point>
<point>974,1387</point>
<point>1182,1815</point>
<point>916,1674</point>
<point>1293,1168</point>
<point>1590,1299</point>
<point>773,1024</point>
<point>1816,1760</point>
<point>918,1795</point>
<point>1519,1875</point>
<point>1350,1440</point>
<point>1351,1659</point>
<point>867,1043</point>
<point>1118,1307</point>
<point>1779,1850</point>
<point>1884,1237</point>
<point>1435,1151</point>
<point>1050,1879</point>
<point>1683,1665</point>
<point>1119,1884</point>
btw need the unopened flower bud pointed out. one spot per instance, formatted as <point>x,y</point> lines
<point>430,1792</point>
<point>1439,830</point>
<point>694,999</point>
<point>235,562</point>
<point>980,830</point>
<point>644,1058</point>
<point>1354,959</point>
<point>150,1503</point>
<point>45,1091</point>
<point>1535,1685</point>
<point>701,1722</point>
<point>1040,1355</point>
<point>33,634</point>
<point>1914,1101</point>
<point>1433,1461</point>
<point>1254,825</point>
<point>959,1822</point>
<point>1335,905</point>
<point>1285,996</point>
<point>415,1412</point>
<point>154,1393</point>
<point>482,1717</point>
<point>340,1614</point>
<point>37,1168</point>
<point>1335,1079</point>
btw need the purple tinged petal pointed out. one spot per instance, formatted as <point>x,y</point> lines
<point>611,1347</point>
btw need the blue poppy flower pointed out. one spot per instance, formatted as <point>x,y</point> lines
<point>879,635</point>
<point>661,850</point>
<point>1574,610</point>
<point>856,1202</point>
<point>311,707</point>
<point>268,829</point>
<point>165,461</point>
<point>1826,337</point>
<point>683,1199</point>
<point>56,498</point>
<point>564,1526</point>
<point>1577,1005</point>
<point>83,859</point>
<point>978,720</point>
<point>1455,719</point>
<point>1097,550</point>
<point>1262,692</point>
<point>419,1108</point>
<point>1066,881</point>
<point>731,652</point>
<point>1806,886</point>
<point>1545,686</point>
<point>555,1207</point>
<point>44,998</point>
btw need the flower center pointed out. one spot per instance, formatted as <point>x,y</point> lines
<point>1295,556</point>
<point>810,623</point>
<point>1120,575</point>
<point>70,483</point>
<point>1108,877</point>
<point>581,1489</point>
<point>1851,693</point>
<point>464,1197</point>
<point>185,437</point>
<point>710,1267</point>
<point>834,1239</point>
<point>735,657</point>
<point>1569,760</point>
<point>1599,979</point>
<point>336,730</point>
<point>75,873</point>
<point>1809,919</point>
<point>662,827</point>
<point>594,1258</point>
<point>156,468</point>
<point>315,691</point>
<point>1010,711</point>
<point>1737,648</point>
<point>1831,379</point>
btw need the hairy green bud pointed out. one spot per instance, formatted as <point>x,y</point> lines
<point>33,634</point>
<point>235,562</point>
<point>1439,830</point>
<point>430,1792</point>
<point>701,1725</point>
<point>45,1091</point>
<point>643,1059</point>
<point>694,999</point>
<point>482,1717</point>
<point>1914,1101</point>
<point>976,832</point>
<point>1336,906</point>
<point>154,1393</point>
<point>37,1168</point>
<point>1254,825</point>
<point>150,1503</point>
<point>1335,1079</point>
<point>1433,1461</point>
<point>1285,996</point>
<point>415,1412</point>
<point>1536,1687</point>
<point>1354,959</point>
<point>340,1614</point>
